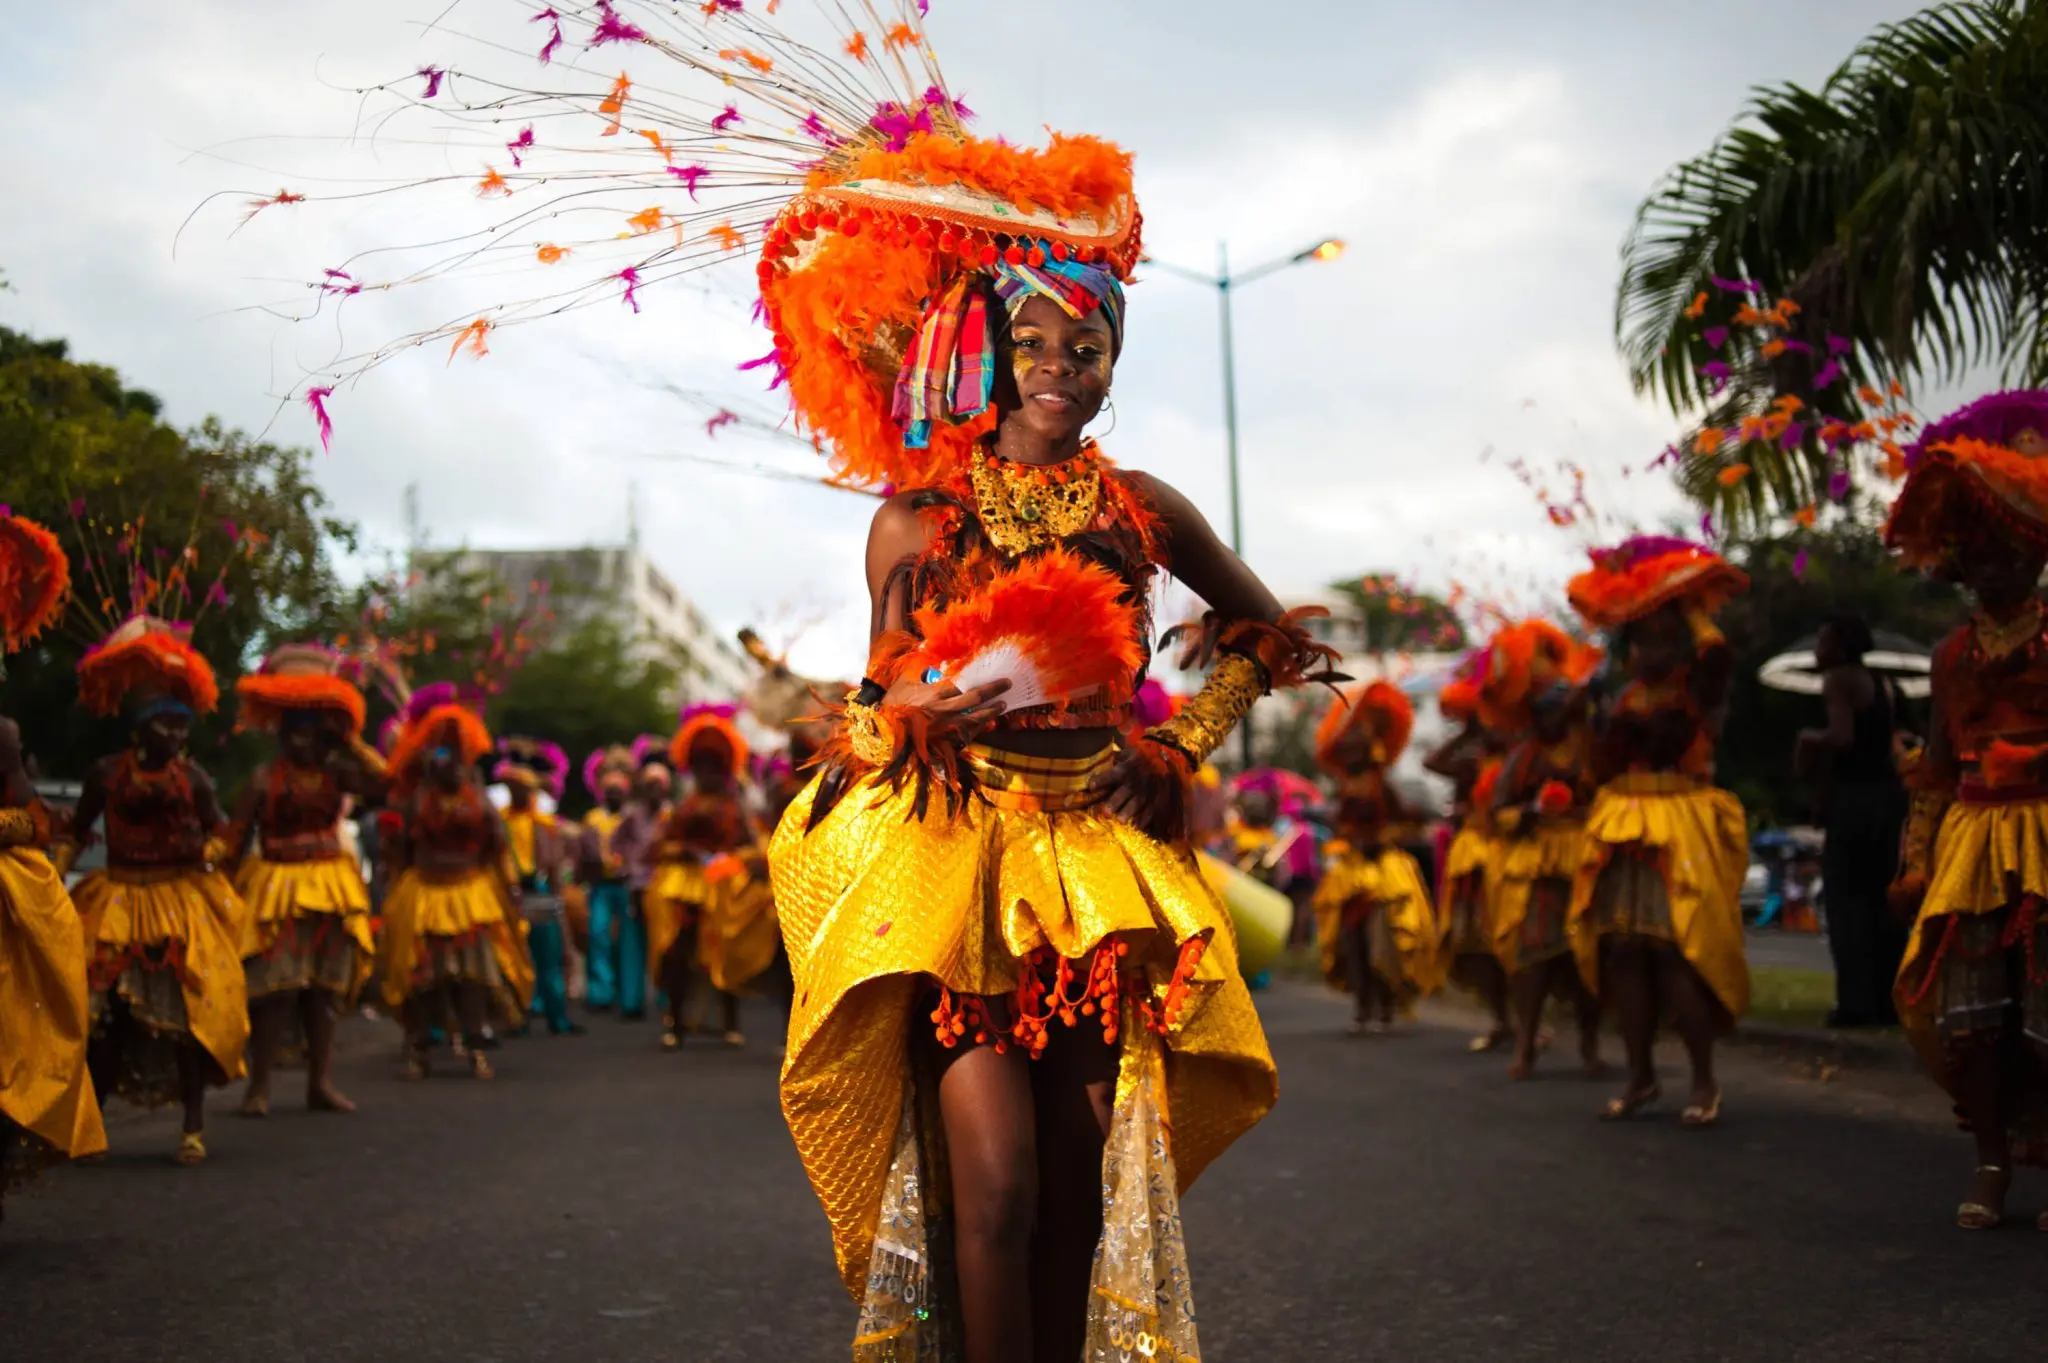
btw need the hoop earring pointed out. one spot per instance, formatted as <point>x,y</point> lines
<point>1110,402</point>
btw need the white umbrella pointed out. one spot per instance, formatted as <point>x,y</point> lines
<point>1904,661</point>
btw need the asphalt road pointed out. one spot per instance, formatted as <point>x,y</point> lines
<point>602,1201</point>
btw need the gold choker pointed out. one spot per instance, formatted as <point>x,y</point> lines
<point>1024,506</point>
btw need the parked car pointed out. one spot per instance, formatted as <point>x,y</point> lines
<point>62,798</point>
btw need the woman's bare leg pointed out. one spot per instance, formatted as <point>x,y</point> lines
<point>267,1017</point>
<point>985,1104</point>
<point>1358,972</point>
<point>1975,1067</point>
<point>1629,974</point>
<point>194,1065</point>
<point>1693,1013</point>
<point>316,1013</point>
<point>1073,1090</point>
<point>1586,1005</point>
<point>1531,988</point>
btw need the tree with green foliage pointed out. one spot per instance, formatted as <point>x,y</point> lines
<point>1398,618</point>
<point>1902,209</point>
<point>72,435</point>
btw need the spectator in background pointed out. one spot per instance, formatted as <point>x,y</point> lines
<point>1862,805</point>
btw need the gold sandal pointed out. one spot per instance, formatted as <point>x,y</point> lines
<point>1629,1104</point>
<point>1977,1216</point>
<point>191,1149</point>
<point>1700,1116</point>
<point>480,1066</point>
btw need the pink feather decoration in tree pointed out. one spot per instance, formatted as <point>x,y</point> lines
<point>1056,627</point>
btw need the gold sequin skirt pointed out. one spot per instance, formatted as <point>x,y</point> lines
<point>1467,905</point>
<point>878,908</point>
<point>166,957</point>
<point>47,1108</point>
<point>444,929</point>
<point>1378,891</point>
<point>309,927</point>
<point>737,931</point>
<point>1532,908</point>
<point>672,901</point>
<point>1663,857</point>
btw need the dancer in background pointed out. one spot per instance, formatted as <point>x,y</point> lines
<point>705,908</point>
<point>452,958</point>
<point>170,1003</point>
<point>1655,923</point>
<point>1534,687</point>
<point>538,859</point>
<point>1974,865</point>
<point>617,960</point>
<point>1375,925</point>
<point>48,1111</point>
<point>1469,759</point>
<point>309,948</point>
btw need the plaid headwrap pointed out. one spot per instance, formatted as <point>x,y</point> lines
<point>949,374</point>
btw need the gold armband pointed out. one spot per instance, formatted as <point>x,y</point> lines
<point>64,855</point>
<point>215,852</point>
<point>869,734</point>
<point>18,828</point>
<point>1234,686</point>
<point>1923,828</point>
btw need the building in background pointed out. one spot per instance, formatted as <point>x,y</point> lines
<point>621,582</point>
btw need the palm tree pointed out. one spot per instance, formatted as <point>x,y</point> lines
<point>1903,207</point>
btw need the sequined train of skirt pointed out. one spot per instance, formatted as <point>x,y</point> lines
<point>47,1107</point>
<point>1140,1299</point>
<point>140,1025</point>
<point>310,953</point>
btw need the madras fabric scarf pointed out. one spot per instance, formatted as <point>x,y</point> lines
<point>949,374</point>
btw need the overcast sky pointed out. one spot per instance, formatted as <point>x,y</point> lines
<point>1481,157</point>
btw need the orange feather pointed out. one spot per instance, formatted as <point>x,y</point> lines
<point>1066,616</point>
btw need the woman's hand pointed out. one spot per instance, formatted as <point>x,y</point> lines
<point>954,713</point>
<point>1146,793</point>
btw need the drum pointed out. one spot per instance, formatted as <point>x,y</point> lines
<point>1261,914</point>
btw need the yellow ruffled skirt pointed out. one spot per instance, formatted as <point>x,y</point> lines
<point>1976,934</point>
<point>167,947</point>
<point>1694,843</point>
<point>737,932</point>
<point>309,927</point>
<point>1466,905</point>
<point>1381,889</point>
<point>878,908</point>
<point>47,1107</point>
<point>674,900</point>
<point>455,929</point>
<point>1532,906</point>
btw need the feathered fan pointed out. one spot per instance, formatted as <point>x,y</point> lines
<point>1056,627</point>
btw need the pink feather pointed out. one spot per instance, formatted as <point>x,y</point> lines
<point>523,142</point>
<point>547,51</point>
<point>316,398</point>
<point>690,175</point>
<point>631,277</point>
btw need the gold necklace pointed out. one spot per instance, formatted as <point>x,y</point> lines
<point>1996,639</point>
<point>1024,506</point>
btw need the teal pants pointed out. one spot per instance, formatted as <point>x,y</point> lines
<point>617,968</point>
<point>550,983</point>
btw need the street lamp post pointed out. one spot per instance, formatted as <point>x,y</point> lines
<point>1225,284</point>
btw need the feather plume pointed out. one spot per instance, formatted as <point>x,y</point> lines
<point>1056,627</point>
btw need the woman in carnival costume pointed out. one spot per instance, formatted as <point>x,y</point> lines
<point>1011,977</point>
<point>165,928</point>
<point>1375,925</point>
<point>48,1111</point>
<point>616,963</point>
<point>708,908</point>
<point>451,946</point>
<point>1654,919</point>
<point>309,948</point>
<point>1534,689</point>
<point>1469,884</point>
<point>1974,865</point>
<point>538,860</point>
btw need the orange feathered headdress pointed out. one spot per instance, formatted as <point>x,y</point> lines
<point>146,656</point>
<point>1980,470</point>
<point>297,677</point>
<point>709,723</point>
<point>1381,709</point>
<point>1641,576</point>
<point>1524,659</point>
<point>35,577</point>
<point>452,724</point>
<point>881,229</point>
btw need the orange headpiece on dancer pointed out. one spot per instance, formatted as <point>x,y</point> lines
<point>35,576</point>
<point>1980,473</point>
<point>1380,712</point>
<point>1523,661</point>
<point>437,716</point>
<point>147,657</point>
<point>709,728</point>
<point>298,677</point>
<point>1641,576</point>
